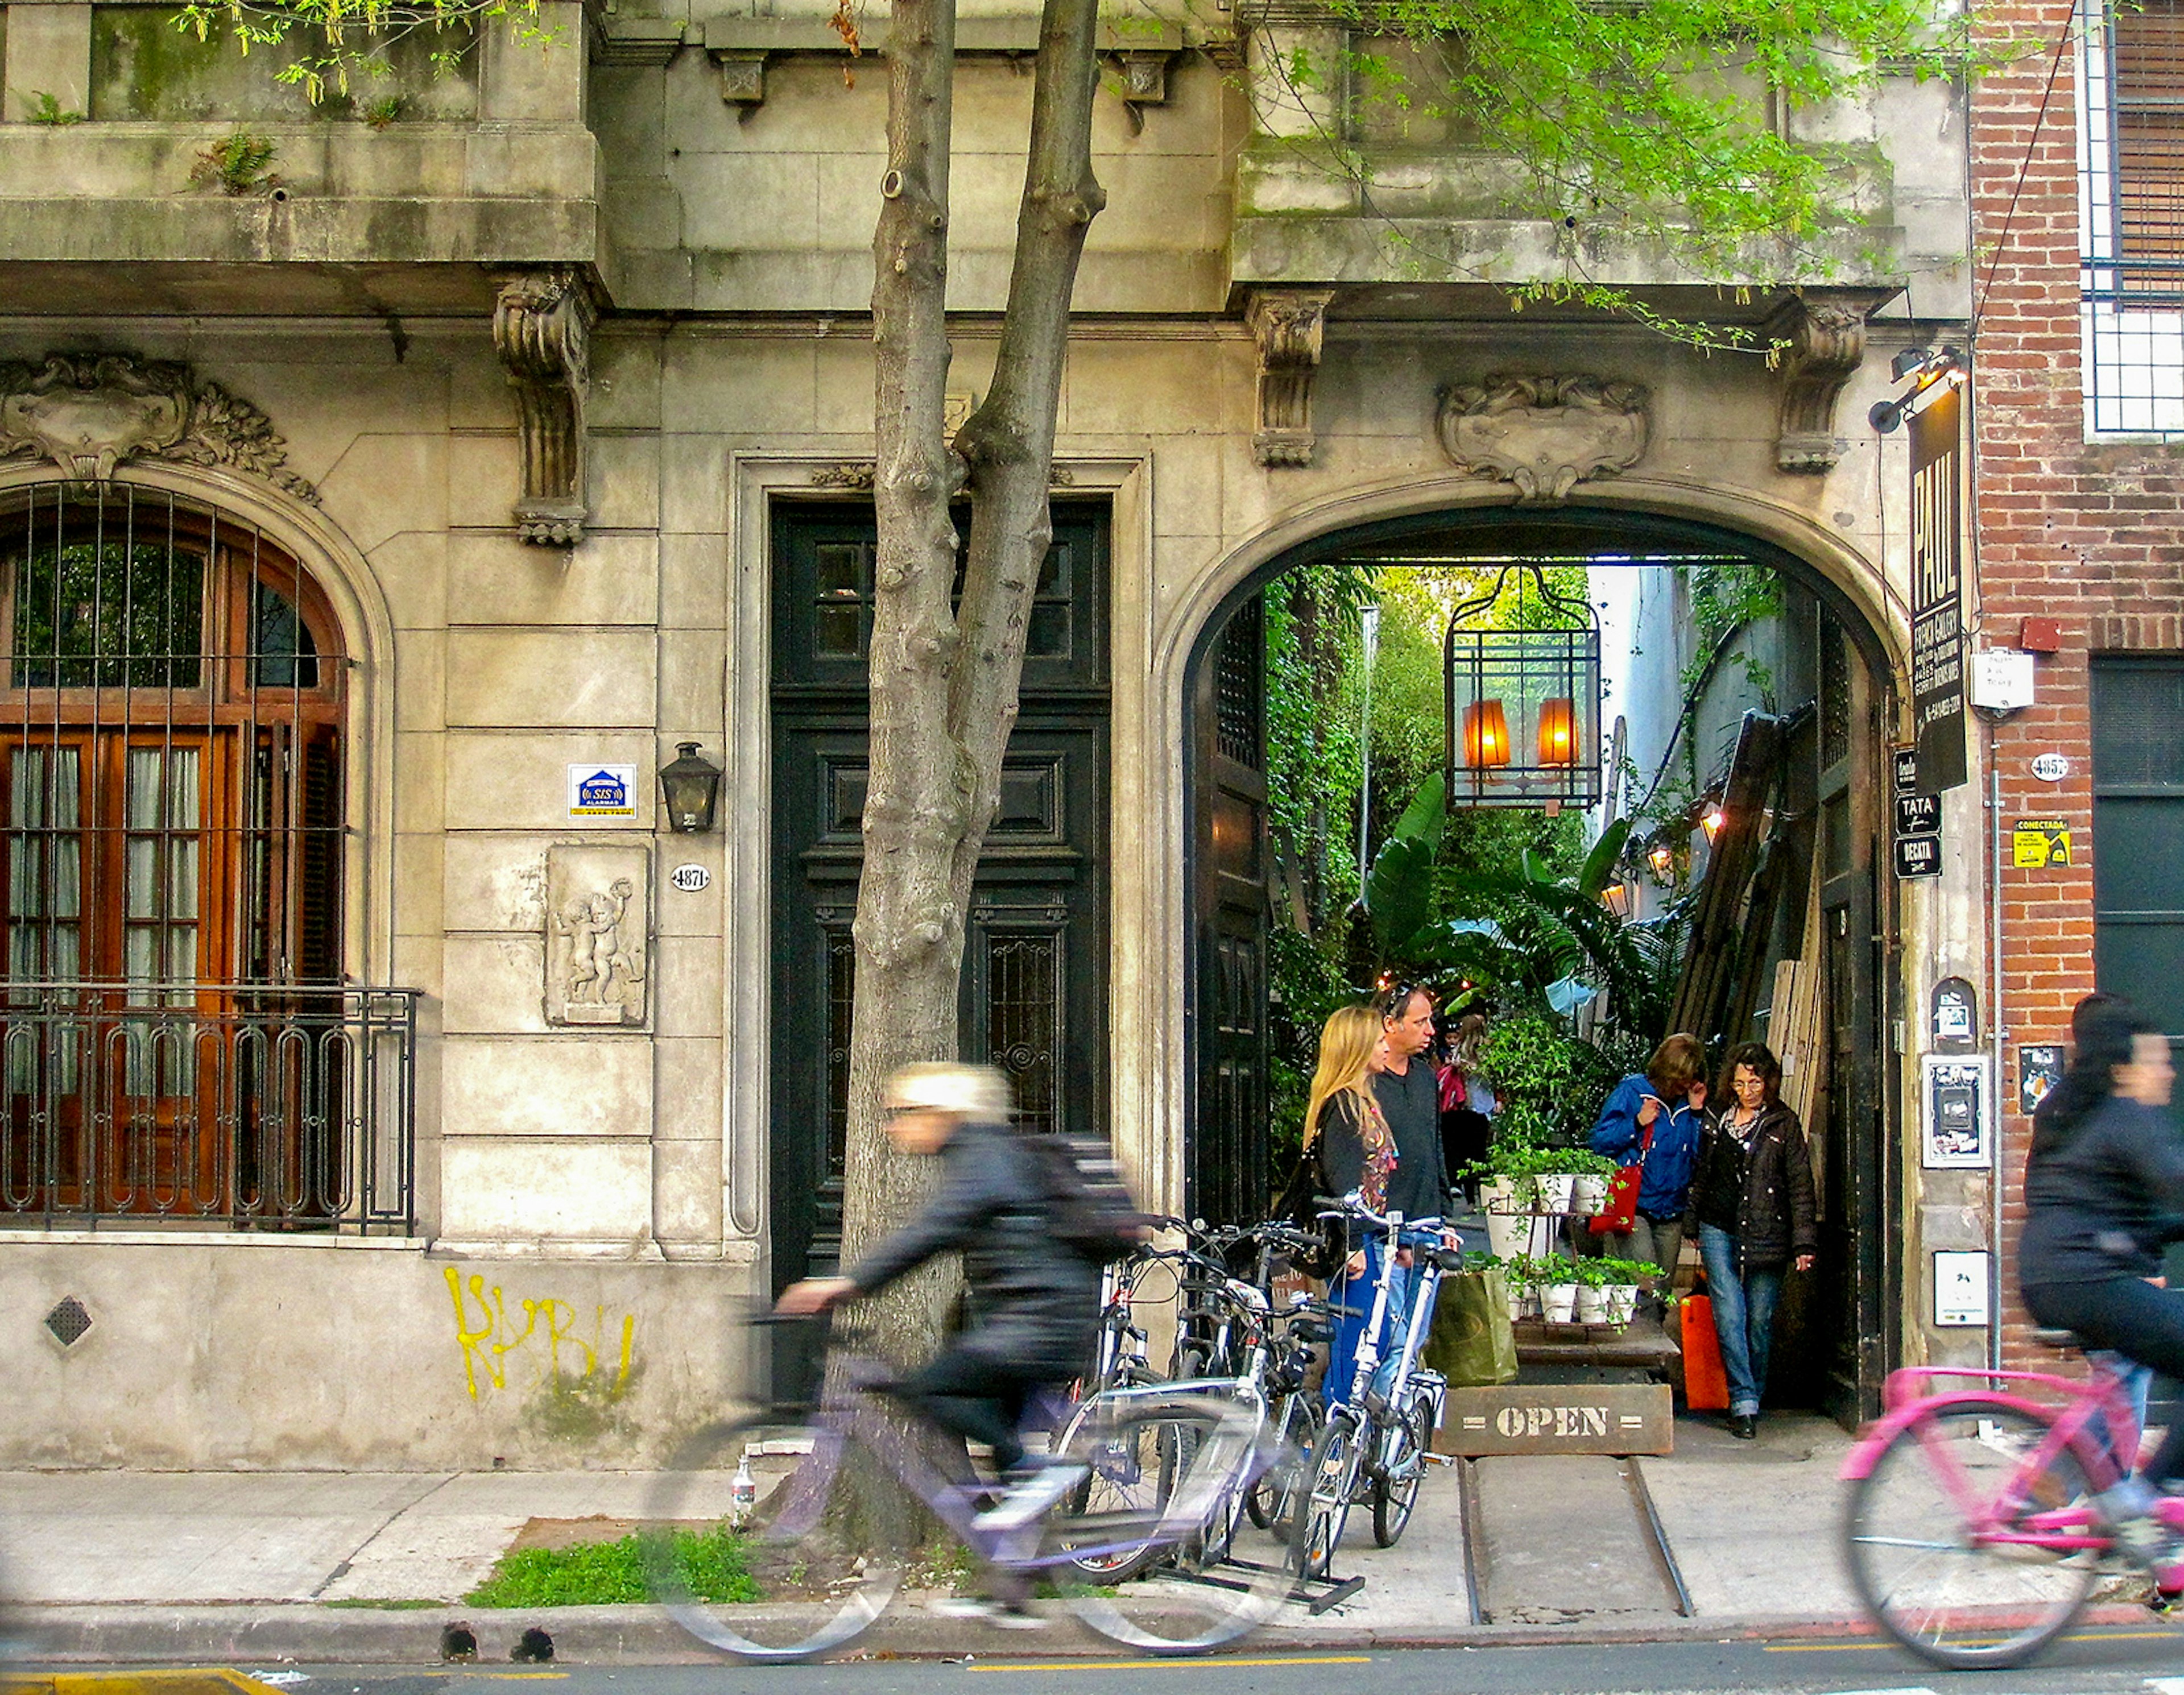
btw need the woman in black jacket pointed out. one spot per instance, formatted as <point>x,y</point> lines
<point>1752,1202</point>
<point>2104,1194</point>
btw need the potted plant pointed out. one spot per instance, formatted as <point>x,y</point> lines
<point>1556,1278</point>
<point>1591,1174</point>
<point>1622,1279</point>
<point>1592,1276</point>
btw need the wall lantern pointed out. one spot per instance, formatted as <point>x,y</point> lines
<point>1663,859</point>
<point>1713,822</point>
<point>1531,662</point>
<point>691,784</point>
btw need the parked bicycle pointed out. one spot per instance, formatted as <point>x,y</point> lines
<point>1972,1537</point>
<point>1373,1446</point>
<point>828,1528</point>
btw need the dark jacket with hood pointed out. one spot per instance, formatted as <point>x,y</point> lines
<point>2102,1197</point>
<point>1034,1301</point>
<point>1758,1189</point>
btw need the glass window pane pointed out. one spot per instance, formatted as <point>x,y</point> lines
<point>282,653</point>
<point>182,878</point>
<point>64,866</point>
<point>838,630</point>
<point>140,806</point>
<point>26,892</point>
<point>26,783</point>
<point>182,959</point>
<point>65,944</point>
<point>140,953</point>
<point>1053,571</point>
<point>1047,636</point>
<point>65,792</point>
<point>142,899</point>
<point>102,615</point>
<point>839,577</point>
<point>182,789</point>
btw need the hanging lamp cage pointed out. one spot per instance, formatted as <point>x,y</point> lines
<point>1523,701</point>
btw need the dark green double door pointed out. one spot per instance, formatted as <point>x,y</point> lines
<point>1034,999</point>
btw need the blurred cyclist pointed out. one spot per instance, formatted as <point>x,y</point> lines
<point>1034,1300</point>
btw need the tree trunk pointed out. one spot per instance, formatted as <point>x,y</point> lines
<point>944,682</point>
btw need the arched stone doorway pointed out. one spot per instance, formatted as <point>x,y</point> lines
<point>1849,1331</point>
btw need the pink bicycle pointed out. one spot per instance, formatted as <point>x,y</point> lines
<point>1971,1534</point>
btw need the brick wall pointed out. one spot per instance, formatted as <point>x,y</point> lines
<point>2089,534</point>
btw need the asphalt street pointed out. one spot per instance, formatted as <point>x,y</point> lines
<point>2126,1660</point>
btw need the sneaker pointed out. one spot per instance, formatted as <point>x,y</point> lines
<point>1005,1614</point>
<point>1031,1498</point>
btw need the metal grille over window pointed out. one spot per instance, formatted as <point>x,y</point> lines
<point>68,1321</point>
<point>176,1038</point>
<point>1237,708</point>
<point>2130,157</point>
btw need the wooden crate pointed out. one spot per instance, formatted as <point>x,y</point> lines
<point>1576,1418</point>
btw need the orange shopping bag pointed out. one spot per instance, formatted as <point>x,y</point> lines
<point>1706,1385</point>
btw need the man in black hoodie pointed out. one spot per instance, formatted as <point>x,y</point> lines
<point>1034,1300</point>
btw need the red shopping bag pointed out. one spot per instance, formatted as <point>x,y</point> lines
<point>1706,1384</point>
<point>1620,1215</point>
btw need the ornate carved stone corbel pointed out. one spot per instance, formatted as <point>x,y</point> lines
<point>1290,325</point>
<point>1543,434</point>
<point>542,326</point>
<point>1142,74</point>
<point>743,78</point>
<point>1826,346</point>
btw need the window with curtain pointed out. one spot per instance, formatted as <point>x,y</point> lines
<point>171,705</point>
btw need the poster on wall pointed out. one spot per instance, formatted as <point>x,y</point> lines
<point>2039,1068</point>
<point>1954,1105</point>
<point>1961,1283</point>
<point>1937,584</point>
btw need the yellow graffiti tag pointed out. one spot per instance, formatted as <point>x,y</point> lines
<point>486,1337</point>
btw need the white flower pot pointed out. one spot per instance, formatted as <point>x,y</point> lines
<point>1592,1304</point>
<point>1518,1301</point>
<point>1508,1234</point>
<point>1589,1194</point>
<point>1559,1302</point>
<point>1554,1192</point>
<point>1498,1195</point>
<point>1622,1302</point>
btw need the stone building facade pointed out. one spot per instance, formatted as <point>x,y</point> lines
<point>527,422</point>
<point>2076,354</point>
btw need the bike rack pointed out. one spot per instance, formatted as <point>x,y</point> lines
<point>1334,1590</point>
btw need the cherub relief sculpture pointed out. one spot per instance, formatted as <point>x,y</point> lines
<point>595,966</point>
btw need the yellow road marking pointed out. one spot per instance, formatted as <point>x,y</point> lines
<point>207,1680</point>
<point>1184,1665</point>
<point>2096,1635</point>
<point>513,1676</point>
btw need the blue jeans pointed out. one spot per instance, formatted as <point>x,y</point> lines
<point>1743,1315</point>
<point>1358,1292</point>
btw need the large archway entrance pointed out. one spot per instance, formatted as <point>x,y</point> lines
<point>1813,869</point>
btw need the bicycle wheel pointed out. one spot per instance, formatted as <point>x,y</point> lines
<point>1921,1536</point>
<point>817,1560</point>
<point>1272,1504</point>
<point>1132,1465</point>
<point>1208,1579</point>
<point>1402,1470</point>
<point>1326,1506</point>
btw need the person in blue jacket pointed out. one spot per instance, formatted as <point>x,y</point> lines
<point>1670,1100</point>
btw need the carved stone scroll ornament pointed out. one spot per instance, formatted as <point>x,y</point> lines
<point>542,326</point>
<point>1544,433</point>
<point>597,912</point>
<point>1290,326</point>
<point>1827,345</point>
<point>90,414</point>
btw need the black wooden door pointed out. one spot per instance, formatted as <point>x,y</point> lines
<point>1034,998</point>
<point>1853,1311</point>
<point>1225,1161</point>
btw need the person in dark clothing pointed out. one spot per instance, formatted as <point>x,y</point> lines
<point>1467,1104</point>
<point>1035,1302</point>
<point>1408,1092</point>
<point>2103,1195</point>
<point>1752,1202</point>
<point>1357,1155</point>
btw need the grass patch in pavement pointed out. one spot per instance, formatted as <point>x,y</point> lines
<point>601,1573</point>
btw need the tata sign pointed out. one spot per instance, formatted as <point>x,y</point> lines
<point>1937,587</point>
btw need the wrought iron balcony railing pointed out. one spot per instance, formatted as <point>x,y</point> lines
<point>251,1107</point>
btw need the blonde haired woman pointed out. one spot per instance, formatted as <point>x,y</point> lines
<point>1357,1152</point>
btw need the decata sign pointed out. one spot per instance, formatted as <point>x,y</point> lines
<point>1937,581</point>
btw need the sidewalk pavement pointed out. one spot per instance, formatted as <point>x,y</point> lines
<point>268,1566</point>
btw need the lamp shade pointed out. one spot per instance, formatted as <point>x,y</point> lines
<point>690,784</point>
<point>1557,731</point>
<point>1485,734</point>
